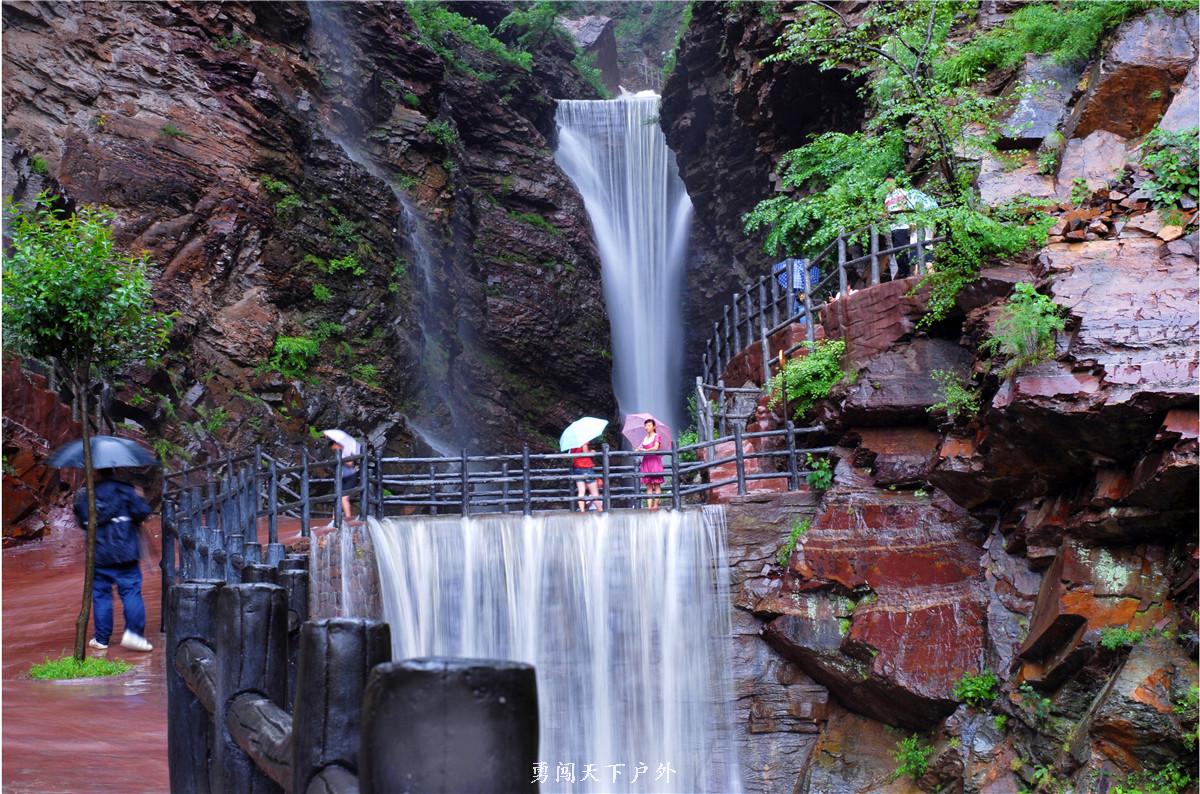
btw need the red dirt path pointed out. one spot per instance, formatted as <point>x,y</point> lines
<point>86,735</point>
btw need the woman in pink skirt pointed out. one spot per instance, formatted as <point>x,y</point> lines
<point>652,464</point>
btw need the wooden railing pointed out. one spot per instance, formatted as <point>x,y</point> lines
<point>765,307</point>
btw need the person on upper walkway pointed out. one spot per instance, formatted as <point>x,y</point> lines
<point>120,511</point>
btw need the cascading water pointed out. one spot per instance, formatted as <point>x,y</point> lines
<point>617,157</point>
<point>625,616</point>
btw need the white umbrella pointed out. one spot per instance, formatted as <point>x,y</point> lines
<point>349,445</point>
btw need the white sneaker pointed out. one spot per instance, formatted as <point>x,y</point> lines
<point>96,645</point>
<point>135,642</point>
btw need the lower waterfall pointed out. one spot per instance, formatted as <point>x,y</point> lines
<point>625,616</point>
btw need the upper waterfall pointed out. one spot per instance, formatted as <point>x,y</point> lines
<point>617,157</point>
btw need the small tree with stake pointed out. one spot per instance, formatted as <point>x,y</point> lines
<point>71,299</point>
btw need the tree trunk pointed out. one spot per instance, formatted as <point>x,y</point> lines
<point>89,570</point>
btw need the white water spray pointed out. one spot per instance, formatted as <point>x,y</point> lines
<point>625,616</point>
<point>617,157</point>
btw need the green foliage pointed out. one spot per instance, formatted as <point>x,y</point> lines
<point>687,438</point>
<point>534,24</point>
<point>38,165</point>
<point>366,373</point>
<point>349,263</point>
<point>820,473</point>
<point>810,377</point>
<point>69,667</point>
<point>1070,33</point>
<point>1024,334</point>
<point>1114,637</point>
<point>841,178</point>
<point>442,133</point>
<point>585,64</point>
<point>274,186</point>
<point>958,399</point>
<point>533,219</point>
<point>1172,160</point>
<point>171,131</point>
<point>411,99</point>
<point>214,419</point>
<point>343,229</point>
<point>1038,705</point>
<point>974,237</point>
<point>912,758</point>
<point>1000,722</point>
<point>443,30</point>
<point>231,42</point>
<point>1171,779</point>
<point>69,296</point>
<point>1079,191</point>
<point>799,527</point>
<point>684,23</point>
<point>977,690</point>
<point>293,355</point>
<point>322,293</point>
<point>287,206</point>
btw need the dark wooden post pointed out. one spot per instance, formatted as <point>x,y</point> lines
<point>920,251</point>
<point>166,560</point>
<point>810,322</point>
<point>717,368</point>
<point>727,336</point>
<point>193,607</point>
<point>490,707</point>
<point>433,492</point>
<point>305,507</point>
<point>294,580</point>
<point>874,255</point>
<point>675,484</point>
<point>272,505</point>
<point>364,494</point>
<point>606,492</point>
<point>740,459</point>
<point>843,282</point>
<point>465,477</point>
<point>251,654</point>
<point>379,511</point>
<point>234,546</point>
<point>526,496</point>
<point>774,300</point>
<point>336,659</point>
<point>765,344</point>
<point>722,429</point>
<point>793,473</point>
<point>337,489</point>
<point>737,323</point>
<point>504,486</point>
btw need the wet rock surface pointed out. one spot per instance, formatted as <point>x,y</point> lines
<point>213,131</point>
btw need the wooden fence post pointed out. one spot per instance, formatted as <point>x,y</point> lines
<point>675,484</point>
<point>793,473</point>
<point>166,559</point>
<point>874,255</point>
<point>466,483</point>
<point>305,507</point>
<point>723,428</point>
<point>504,486</point>
<point>843,283</point>
<point>433,490</point>
<point>490,707</point>
<point>920,251</point>
<point>606,492</point>
<point>737,326</point>
<point>526,496</point>
<point>810,322</point>
<point>774,300</point>
<point>193,607</point>
<point>336,659</point>
<point>364,483</point>
<point>294,581</point>
<point>740,459</point>
<point>337,489</point>
<point>251,652</point>
<point>379,508</point>
<point>717,368</point>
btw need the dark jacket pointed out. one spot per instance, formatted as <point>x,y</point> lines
<point>119,511</point>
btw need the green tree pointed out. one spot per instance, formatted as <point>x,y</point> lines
<point>71,299</point>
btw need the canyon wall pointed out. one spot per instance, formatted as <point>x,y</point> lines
<point>1051,539</point>
<point>267,173</point>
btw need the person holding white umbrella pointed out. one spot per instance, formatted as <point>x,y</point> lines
<point>343,441</point>
<point>575,438</point>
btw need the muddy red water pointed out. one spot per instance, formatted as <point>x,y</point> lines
<point>86,735</point>
<point>90,735</point>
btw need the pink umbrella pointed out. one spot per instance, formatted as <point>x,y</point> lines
<point>635,431</point>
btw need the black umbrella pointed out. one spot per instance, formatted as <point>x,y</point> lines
<point>108,452</point>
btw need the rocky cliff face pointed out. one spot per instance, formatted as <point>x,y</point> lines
<point>360,190</point>
<point>728,117</point>
<point>1050,540</point>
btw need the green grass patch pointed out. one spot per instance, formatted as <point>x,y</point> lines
<point>809,378</point>
<point>533,219</point>
<point>1115,637</point>
<point>68,667</point>
<point>977,689</point>
<point>799,527</point>
<point>1025,332</point>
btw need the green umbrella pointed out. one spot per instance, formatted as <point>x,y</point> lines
<point>580,432</point>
